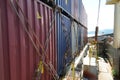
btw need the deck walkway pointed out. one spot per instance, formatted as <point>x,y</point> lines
<point>105,72</point>
<point>101,69</point>
<point>92,69</point>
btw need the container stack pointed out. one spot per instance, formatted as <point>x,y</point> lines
<point>63,41</point>
<point>40,38</point>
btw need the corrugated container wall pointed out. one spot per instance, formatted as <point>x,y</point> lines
<point>79,37</point>
<point>75,8</point>
<point>78,11</point>
<point>74,29</point>
<point>63,41</point>
<point>65,5</point>
<point>82,14</point>
<point>83,36</point>
<point>18,56</point>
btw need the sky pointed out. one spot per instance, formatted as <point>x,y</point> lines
<point>106,17</point>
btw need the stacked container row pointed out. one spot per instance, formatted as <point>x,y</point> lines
<point>77,10</point>
<point>64,38</point>
<point>74,8</point>
<point>63,42</point>
<point>24,33</point>
<point>64,45</point>
<point>38,42</point>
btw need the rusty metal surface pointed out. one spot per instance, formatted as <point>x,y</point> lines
<point>63,41</point>
<point>79,37</point>
<point>74,32</point>
<point>78,11</point>
<point>18,57</point>
<point>75,9</point>
<point>82,37</point>
<point>85,40</point>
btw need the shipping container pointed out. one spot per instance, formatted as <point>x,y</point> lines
<point>78,12</point>
<point>83,21</point>
<point>79,37</point>
<point>27,43</point>
<point>83,36</point>
<point>75,8</point>
<point>74,31</point>
<point>63,42</point>
<point>65,5</point>
<point>82,14</point>
<point>36,42</point>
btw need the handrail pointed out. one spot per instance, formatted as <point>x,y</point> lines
<point>81,55</point>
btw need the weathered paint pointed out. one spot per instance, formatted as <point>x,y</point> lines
<point>116,42</point>
<point>75,9</point>
<point>74,31</point>
<point>79,37</point>
<point>83,37</point>
<point>78,11</point>
<point>18,58</point>
<point>63,41</point>
<point>82,14</point>
<point>65,5</point>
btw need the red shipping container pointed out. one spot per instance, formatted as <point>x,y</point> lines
<point>25,25</point>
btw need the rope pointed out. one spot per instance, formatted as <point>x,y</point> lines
<point>98,12</point>
<point>30,36</point>
<point>49,33</point>
<point>24,26</point>
<point>30,27</point>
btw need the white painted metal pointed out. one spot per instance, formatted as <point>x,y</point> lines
<point>74,37</point>
<point>117,26</point>
<point>81,56</point>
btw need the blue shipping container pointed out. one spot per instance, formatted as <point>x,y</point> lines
<point>82,14</point>
<point>82,37</point>
<point>79,37</point>
<point>75,9</point>
<point>74,29</point>
<point>63,41</point>
<point>65,5</point>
